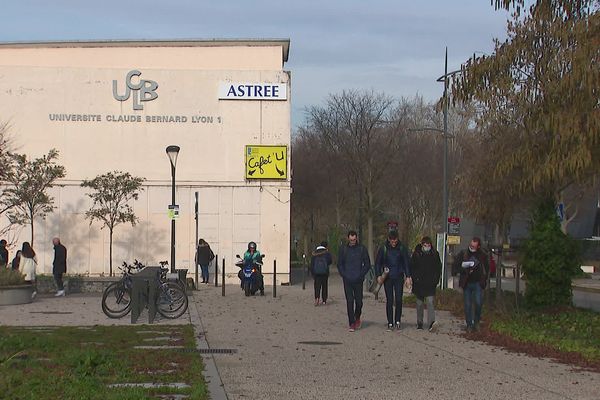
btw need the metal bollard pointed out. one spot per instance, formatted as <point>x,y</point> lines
<point>223,278</point>
<point>274,278</point>
<point>303,271</point>
<point>216,270</point>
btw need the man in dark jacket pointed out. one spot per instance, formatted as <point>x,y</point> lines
<point>353,264</point>
<point>319,268</point>
<point>3,254</point>
<point>393,257</point>
<point>472,264</point>
<point>426,268</point>
<point>59,265</point>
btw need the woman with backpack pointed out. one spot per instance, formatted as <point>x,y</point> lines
<point>319,268</point>
<point>204,255</point>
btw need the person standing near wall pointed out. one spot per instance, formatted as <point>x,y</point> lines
<point>3,254</point>
<point>28,265</point>
<point>59,265</point>
<point>204,255</point>
<point>426,269</point>
<point>353,264</point>
<point>16,261</point>
<point>319,268</point>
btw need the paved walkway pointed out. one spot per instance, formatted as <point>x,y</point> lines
<point>287,348</point>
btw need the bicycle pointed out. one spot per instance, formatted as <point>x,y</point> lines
<point>116,299</point>
<point>172,301</point>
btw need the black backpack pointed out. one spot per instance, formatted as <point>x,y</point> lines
<point>321,267</point>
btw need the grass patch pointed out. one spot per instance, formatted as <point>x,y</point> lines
<point>74,363</point>
<point>568,334</point>
<point>567,330</point>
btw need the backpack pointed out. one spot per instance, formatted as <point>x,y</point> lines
<point>321,267</point>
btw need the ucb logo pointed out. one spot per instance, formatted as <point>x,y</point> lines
<point>143,90</point>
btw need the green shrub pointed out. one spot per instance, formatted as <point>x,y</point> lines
<point>551,260</point>
<point>8,277</point>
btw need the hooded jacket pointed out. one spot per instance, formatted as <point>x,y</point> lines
<point>320,252</point>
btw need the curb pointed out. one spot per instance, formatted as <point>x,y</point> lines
<point>213,380</point>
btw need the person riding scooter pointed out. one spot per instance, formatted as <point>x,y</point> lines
<point>252,255</point>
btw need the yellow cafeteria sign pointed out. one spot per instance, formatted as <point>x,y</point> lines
<point>266,162</point>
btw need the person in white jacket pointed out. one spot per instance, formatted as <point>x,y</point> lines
<point>28,264</point>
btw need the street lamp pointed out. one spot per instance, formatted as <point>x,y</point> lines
<point>446,136</point>
<point>172,152</point>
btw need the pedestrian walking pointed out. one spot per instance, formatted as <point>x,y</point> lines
<point>16,261</point>
<point>59,265</point>
<point>319,268</point>
<point>472,265</point>
<point>392,267</point>
<point>3,254</point>
<point>353,264</point>
<point>426,269</point>
<point>204,255</point>
<point>28,265</point>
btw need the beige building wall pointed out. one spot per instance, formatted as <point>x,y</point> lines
<point>43,85</point>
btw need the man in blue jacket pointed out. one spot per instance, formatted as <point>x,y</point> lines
<point>393,256</point>
<point>353,264</point>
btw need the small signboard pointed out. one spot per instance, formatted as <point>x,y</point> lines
<point>453,239</point>
<point>266,162</point>
<point>173,211</point>
<point>454,226</point>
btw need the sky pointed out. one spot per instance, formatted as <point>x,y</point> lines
<point>391,46</point>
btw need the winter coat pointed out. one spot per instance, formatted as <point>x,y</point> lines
<point>3,256</point>
<point>395,258</point>
<point>426,270</point>
<point>353,263</point>
<point>204,254</point>
<point>320,252</point>
<point>59,265</point>
<point>479,273</point>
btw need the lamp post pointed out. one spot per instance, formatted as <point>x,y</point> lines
<point>172,152</point>
<point>446,136</point>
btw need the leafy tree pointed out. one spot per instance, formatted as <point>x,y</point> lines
<point>111,195</point>
<point>542,85</point>
<point>551,260</point>
<point>27,185</point>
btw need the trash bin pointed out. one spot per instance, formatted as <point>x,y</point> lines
<point>144,293</point>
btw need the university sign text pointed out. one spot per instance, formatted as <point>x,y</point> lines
<point>144,90</point>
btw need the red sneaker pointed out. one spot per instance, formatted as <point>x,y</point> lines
<point>357,324</point>
<point>352,327</point>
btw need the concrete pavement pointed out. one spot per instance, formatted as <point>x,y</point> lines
<point>287,348</point>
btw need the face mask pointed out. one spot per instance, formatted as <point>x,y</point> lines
<point>426,248</point>
<point>472,250</point>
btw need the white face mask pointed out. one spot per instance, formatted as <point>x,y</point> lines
<point>472,250</point>
<point>426,248</point>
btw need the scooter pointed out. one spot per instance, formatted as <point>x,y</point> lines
<point>249,275</point>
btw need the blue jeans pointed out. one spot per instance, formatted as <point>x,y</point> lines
<point>472,297</point>
<point>204,269</point>
<point>394,288</point>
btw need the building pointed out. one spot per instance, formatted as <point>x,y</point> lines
<point>117,105</point>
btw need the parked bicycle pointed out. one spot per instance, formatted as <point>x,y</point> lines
<point>116,299</point>
<point>171,301</point>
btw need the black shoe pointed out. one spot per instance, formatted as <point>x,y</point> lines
<point>420,325</point>
<point>390,327</point>
<point>262,292</point>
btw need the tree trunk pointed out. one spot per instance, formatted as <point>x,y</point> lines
<point>110,269</point>
<point>370,224</point>
<point>31,220</point>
